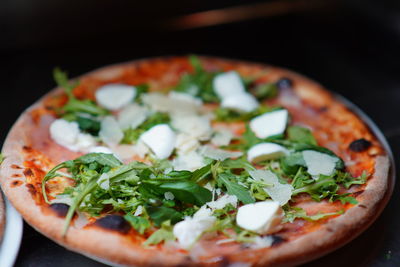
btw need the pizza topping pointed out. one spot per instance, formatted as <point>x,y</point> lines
<point>360,145</point>
<point>270,123</point>
<point>284,83</point>
<point>219,154</point>
<point>190,229</point>
<point>280,193</point>
<point>222,137</point>
<point>228,84</point>
<point>115,96</point>
<point>132,116</point>
<point>67,134</point>
<point>266,151</point>
<point>160,139</point>
<point>110,133</point>
<point>189,161</point>
<point>319,163</point>
<point>221,202</point>
<point>114,222</point>
<point>261,217</point>
<point>241,102</point>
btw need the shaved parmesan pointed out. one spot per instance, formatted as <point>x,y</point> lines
<point>243,102</point>
<point>171,105</point>
<point>104,181</point>
<point>115,96</point>
<point>160,139</point>
<point>185,98</point>
<point>132,116</point>
<point>319,163</point>
<point>219,154</point>
<point>110,132</point>
<point>100,149</point>
<point>190,161</point>
<point>262,242</point>
<point>169,196</point>
<point>227,84</point>
<point>270,124</point>
<point>222,137</point>
<point>222,202</point>
<point>186,143</point>
<point>198,127</point>
<point>265,151</point>
<point>138,211</point>
<point>140,149</point>
<point>277,191</point>
<point>260,217</point>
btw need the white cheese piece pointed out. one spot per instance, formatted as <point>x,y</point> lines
<point>185,98</point>
<point>132,116</point>
<point>198,127</point>
<point>140,149</point>
<point>319,163</point>
<point>203,212</point>
<point>222,137</point>
<point>221,202</point>
<point>65,199</point>
<point>67,134</point>
<point>81,221</point>
<point>244,102</point>
<point>260,217</point>
<point>110,132</point>
<point>172,105</point>
<point>227,84</point>
<point>169,196</point>
<point>115,96</point>
<point>186,143</point>
<point>280,193</point>
<point>160,139</point>
<point>138,211</point>
<point>270,124</point>
<point>190,229</point>
<point>219,154</point>
<point>265,151</point>
<point>190,161</point>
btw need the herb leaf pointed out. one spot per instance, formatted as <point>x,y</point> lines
<point>188,192</point>
<point>162,214</point>
<point>233,188</point>
<point>301,135</point>
<point>138,223</point>
<point>161,235</point>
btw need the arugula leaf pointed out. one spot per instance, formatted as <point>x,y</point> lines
<point>2,158</point>
<point>296,212</point>
<point>324,186</point>
<point>198,83</point>
<point>301,135</point>
<point>291,163</point>
<point>200,174</point>
<point>140,224</point>
<point>233,188</point>
<point>162,214</point>
<point>347,180</point>
<point>100,158</point>
<point>88,125</point>
<point>265,90</point>
<point>75,105</point>
<point>187,192</point>
<point>228,115</point>
<point>161,235</point>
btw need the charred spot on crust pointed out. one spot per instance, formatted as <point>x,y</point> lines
<point>16,183</point>
<point>356,194</point>
<point>362,206</point>
<point>360,145</point>
<point>15,166</point>
<point>277,240</point>
<point>61,209</point>
<point>28,172</point>
<point>284,83</point>
<point>27,148</point>
<point>16,175</point>
<point>31,189</point>
<point>114,222</point>
<point>323,109</point>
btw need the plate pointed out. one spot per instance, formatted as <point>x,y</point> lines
<point>12,236</point>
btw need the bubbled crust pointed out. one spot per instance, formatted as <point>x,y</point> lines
<point>110,246</point>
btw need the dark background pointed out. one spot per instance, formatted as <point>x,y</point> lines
<point>351,47</point>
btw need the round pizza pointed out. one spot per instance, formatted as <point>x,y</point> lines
<point>195,161</point>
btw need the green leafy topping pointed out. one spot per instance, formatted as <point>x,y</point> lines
<point>301,135</point>
<point>228,115</point>
<point>199,83</point>
<point>235,189</point>
<point>140,224</point>
<point>293,213</point>
<point>265,90</point>
<point>161,235</point>
<point>75,106</point>
<point>162,214</point>
<point>132,135</point>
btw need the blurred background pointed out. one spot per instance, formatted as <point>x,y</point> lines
<point>352,47</point>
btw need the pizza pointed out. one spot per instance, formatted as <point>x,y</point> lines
<point>2,217</point>
<point>195,161</point>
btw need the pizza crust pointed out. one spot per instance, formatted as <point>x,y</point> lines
<point>2,217</point>
<point>113,247</point>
